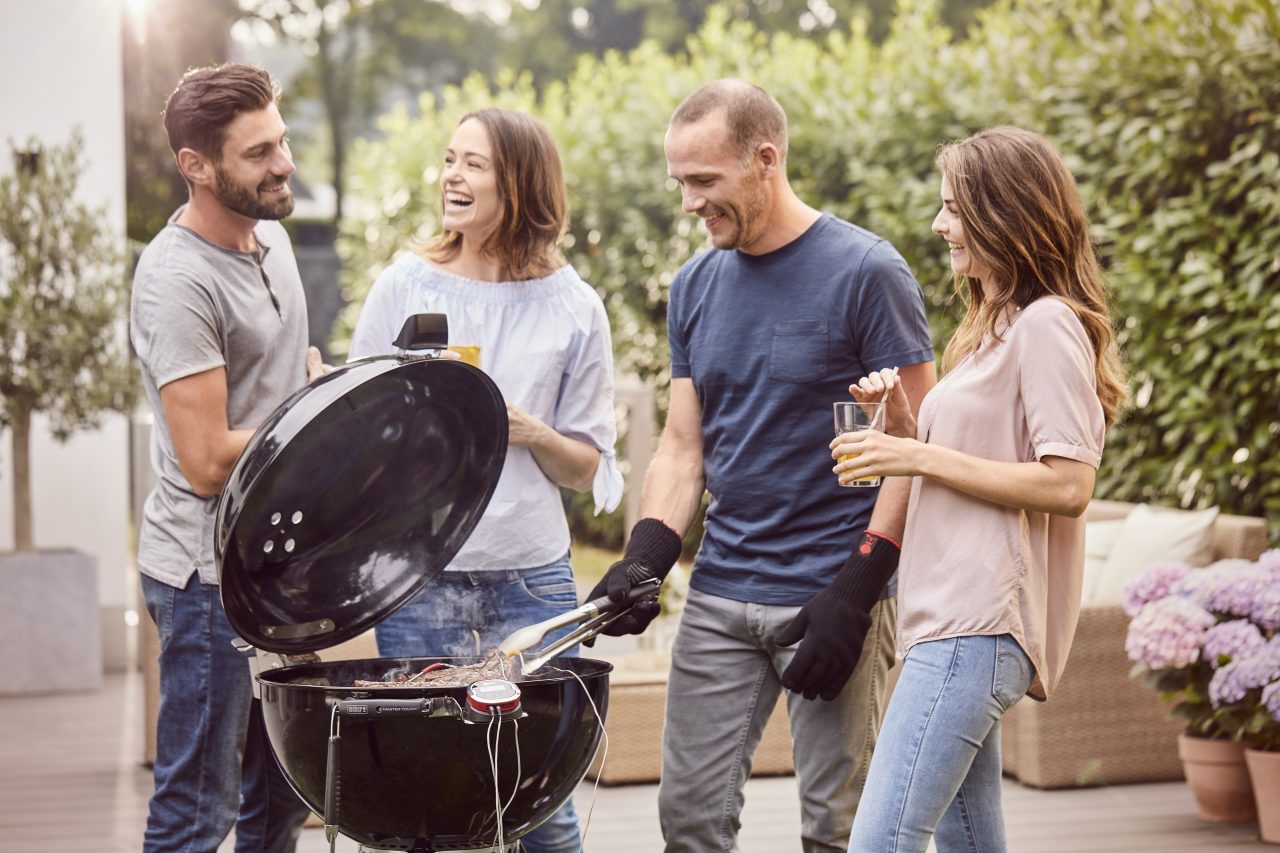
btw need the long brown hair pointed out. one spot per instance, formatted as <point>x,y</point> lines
<point>1024,221</point>
<point>535,212</point>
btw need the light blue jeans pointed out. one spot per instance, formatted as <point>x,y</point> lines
<point>469,613</point>
<point>936,768</point>
<point>214,768</point>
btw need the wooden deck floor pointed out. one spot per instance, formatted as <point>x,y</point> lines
<point>70,780</point>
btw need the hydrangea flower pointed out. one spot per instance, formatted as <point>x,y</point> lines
<point>1266,607</point>
<point>1168,633</point>
<point>1185,621</point>
<point>1271,699</point>
<point>1237,639</point>
<point>1195,585</point>
<point>1154,583</point>
<point>1229,587</point>
<point>1233,681</point>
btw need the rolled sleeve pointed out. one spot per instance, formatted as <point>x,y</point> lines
<point>585,409</point>
<point>1057,385</point>
<point>1092,458</point>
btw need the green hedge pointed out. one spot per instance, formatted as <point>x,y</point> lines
<point>1169,114</point>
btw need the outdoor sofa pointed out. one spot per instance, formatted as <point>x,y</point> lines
<point>1103,726</point>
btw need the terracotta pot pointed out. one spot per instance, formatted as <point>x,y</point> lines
<point>1264,772</point>
<point>1218,778</point>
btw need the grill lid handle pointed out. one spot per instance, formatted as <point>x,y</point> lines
<point>423,331</point>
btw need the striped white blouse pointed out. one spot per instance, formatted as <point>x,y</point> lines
<point>546,344</point>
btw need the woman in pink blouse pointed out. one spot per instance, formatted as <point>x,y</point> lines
<point>988,490</point>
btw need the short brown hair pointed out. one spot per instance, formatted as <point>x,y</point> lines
<point>208,99</point>
<point>753,115</point>
<point>535,211</point>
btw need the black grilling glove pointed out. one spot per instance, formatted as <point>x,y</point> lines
<point>835,622</point>
<point>651,552</point>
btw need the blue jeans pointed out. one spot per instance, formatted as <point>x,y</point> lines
<point>469,613</point>
<point>213,765</point>
<point>936,768</point>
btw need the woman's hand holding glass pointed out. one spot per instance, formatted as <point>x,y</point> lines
<point>872,453</point>
<point>898,418</point>
<point>886,450</point>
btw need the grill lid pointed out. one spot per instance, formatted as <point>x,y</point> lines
<point>353,496</point>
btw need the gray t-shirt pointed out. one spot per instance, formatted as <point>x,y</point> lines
<point>197,306</point>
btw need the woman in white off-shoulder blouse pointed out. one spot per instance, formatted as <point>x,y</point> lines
<point>542,334</point>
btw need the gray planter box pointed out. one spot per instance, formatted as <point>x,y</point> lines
<point>50,622</point>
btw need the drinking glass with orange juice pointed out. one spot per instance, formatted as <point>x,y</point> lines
<point>470,353</point>
<point>852,416</point>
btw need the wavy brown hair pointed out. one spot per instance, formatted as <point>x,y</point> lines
<point>207,100</point>
<point>535,212</point>
<point>1024,221</point>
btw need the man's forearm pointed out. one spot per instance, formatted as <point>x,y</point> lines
<point>889,516</point>
<point>673,490</point>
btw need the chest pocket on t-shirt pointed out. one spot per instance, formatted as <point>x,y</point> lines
<point>799,351</point>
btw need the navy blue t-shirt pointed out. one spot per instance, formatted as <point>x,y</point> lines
<point>771,341</point>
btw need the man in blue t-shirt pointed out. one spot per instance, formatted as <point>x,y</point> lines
<point>766,331</point>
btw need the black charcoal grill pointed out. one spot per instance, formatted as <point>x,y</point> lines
<point>350,499</point>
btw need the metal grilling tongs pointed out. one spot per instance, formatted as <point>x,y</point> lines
<point>595,616</point>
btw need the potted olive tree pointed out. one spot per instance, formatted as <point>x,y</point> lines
<point>63,356</point>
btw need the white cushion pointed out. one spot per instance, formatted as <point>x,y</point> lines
<point>1147,536</point>
<point>1099,538</point>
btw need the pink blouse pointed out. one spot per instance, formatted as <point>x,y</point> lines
<point>972,567</point>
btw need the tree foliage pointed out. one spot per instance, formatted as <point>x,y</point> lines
<point>62,294</point>
<point>361,53</point>
<point>547,38</point>
<point>157,49</point>
<point>1168,113</point>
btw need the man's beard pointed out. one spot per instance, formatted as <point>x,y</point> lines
<point>236,197</point>
<point>746,213</point>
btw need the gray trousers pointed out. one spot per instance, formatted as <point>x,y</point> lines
<point>725,678</point>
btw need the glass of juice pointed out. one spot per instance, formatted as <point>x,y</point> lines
<point>852,416</point>
<point>470,353</point>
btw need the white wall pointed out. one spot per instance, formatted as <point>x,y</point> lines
<point>60,65</point>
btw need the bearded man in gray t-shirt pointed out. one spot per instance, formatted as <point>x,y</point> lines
<point>220,326</point>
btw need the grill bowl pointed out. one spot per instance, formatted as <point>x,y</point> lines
<point>425,783</point>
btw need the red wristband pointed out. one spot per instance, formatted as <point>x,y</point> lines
<point>868,541</point>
